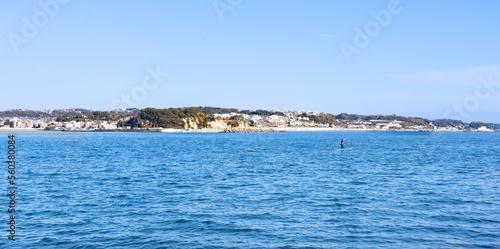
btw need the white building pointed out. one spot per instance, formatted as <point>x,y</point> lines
<point>386,124</point>
<point>108,126</point>
<point>15,123</point>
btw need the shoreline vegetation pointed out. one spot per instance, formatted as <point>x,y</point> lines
<point>221,120</point>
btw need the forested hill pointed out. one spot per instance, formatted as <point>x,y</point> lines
<point>169,118</point>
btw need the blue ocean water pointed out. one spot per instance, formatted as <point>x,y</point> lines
<point>264,190</point>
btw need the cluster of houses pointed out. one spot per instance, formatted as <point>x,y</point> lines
<point>51,124</point>
<point>22,123</point>
<point>88,125</point>
<point>290,119</point>
<point>378,125</point>
<point>296,119</point>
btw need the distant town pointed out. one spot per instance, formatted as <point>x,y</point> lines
<point>214,119</point>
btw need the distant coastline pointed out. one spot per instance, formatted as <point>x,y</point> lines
<point>221,120</point>
<point>234,130</point>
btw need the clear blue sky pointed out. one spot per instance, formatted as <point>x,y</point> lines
<point>425,61</point>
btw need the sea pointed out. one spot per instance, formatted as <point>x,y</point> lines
<point>255,190</point>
